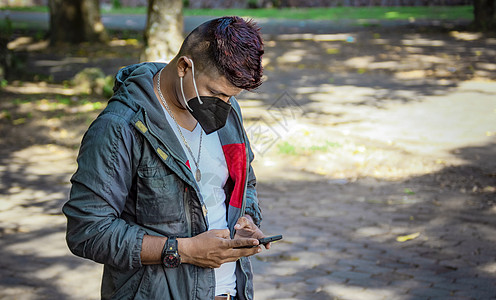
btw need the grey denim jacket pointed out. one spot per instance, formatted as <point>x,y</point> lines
<point>133,178</point>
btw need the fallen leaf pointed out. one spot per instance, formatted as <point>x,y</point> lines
<point>405,238</point>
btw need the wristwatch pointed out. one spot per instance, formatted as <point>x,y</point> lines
<point>170,256</point>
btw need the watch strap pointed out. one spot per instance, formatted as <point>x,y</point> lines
<point>170,255</point>
<point>171,245</point>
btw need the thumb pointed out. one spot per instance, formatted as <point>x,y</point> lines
<point>242,222</point>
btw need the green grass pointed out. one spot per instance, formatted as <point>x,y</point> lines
<point>334,13</point>
<point>27,8</point>
<point>348,13</point>
<point>290,149</point>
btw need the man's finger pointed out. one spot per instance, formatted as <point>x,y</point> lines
<point>242,222</point>
<point>247,252</point>
<point>243,243</point>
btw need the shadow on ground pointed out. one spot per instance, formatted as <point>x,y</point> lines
<point>340,239</point>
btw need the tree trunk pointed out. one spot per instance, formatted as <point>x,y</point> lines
<point>75,21</point>
<point>164,30</point>
<point>484,14</point>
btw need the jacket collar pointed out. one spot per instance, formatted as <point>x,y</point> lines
<point>135,88</point>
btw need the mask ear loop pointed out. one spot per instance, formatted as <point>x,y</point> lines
<point>194,81</point>
<point>182,92</point>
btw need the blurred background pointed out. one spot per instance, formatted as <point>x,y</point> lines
<point>374,135</point>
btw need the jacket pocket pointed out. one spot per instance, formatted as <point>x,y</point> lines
<point>159,197</point>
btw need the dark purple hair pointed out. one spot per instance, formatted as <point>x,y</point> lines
<point>230,44</point>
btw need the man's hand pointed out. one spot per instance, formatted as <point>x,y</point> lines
<point>246,228</point>
<point>212,248</point>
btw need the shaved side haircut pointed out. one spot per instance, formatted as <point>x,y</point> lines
<point>230,46</point>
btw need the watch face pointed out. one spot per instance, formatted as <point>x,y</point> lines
<point>171,261</point>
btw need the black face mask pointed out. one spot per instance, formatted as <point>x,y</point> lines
<point>210,112</point>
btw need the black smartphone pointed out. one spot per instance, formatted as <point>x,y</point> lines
<point>269,239</point>
<point>264,241</point>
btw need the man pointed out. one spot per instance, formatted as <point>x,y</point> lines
<point>164,195</point>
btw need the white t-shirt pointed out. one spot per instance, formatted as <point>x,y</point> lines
<point>214,174</point>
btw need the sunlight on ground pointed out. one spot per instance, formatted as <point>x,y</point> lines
<point>418,40</point>
<point>50,278</point>
<point>489,268</point>
<point>31,219</point>
<point>371,141</point>
<point>42,159</point>
<point>25,43</point>
<point>466,36</point>
<point>292,56</point>
<point>317,37</point>
<point>351,292</point>
<point>28,88</point>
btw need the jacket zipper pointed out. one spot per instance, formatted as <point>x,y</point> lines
<point>187,210</point>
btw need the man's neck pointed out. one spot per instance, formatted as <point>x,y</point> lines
<point>168,87</point>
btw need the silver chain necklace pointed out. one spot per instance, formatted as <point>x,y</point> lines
<point>197,162</point>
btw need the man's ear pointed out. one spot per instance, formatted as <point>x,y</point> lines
<point>183,63</point>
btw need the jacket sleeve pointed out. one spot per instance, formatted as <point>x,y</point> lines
<point>99,191</point>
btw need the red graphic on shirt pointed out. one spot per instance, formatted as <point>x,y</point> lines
<point>236,163</point>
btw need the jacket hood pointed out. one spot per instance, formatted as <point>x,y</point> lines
<point>135,89</point>
<point>134,86</point>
